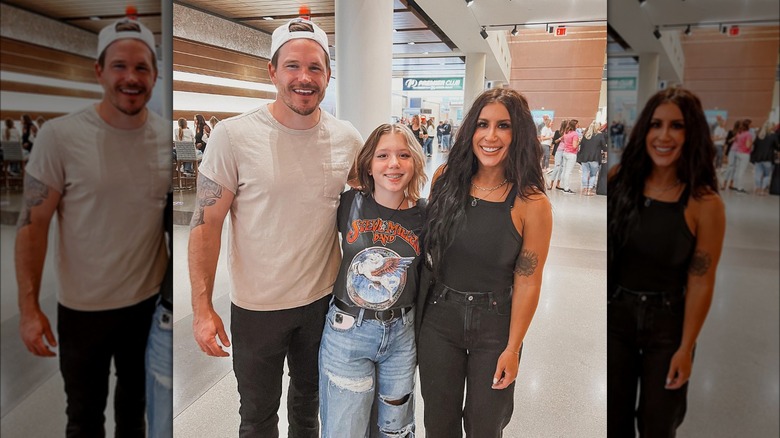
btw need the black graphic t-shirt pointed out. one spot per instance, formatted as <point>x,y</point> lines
<point>381,253</point>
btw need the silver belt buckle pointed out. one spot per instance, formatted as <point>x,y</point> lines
<point>392,315</point>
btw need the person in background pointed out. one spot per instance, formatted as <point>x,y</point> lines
<point>487,236</point>
<point>571,145</point>
<point>284,256</point>
<point>557,153</point>
<point>213,122</point>
<point>202,131</point>
<point>719,140</point>
<point>110,252</point>
<point>665,228</point>
<point>731,164</point>
<point>765,147</point>
<point>545,138</point>
<point>29,131</point>
<point>430,132</point>
<point>446,136</point>
<point>743,144</point>
<point>592,147</point>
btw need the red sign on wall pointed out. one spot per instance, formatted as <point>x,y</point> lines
<point>733,30</point>
<point>560,31</point>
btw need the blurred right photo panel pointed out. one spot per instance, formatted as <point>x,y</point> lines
<point>693,199</point>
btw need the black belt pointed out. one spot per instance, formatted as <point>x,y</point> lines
<point>379,315</point>
<point>167,304</point>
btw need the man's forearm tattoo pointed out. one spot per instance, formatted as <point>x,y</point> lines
<point>700,263</point>
<point>208,193</point>
<point>35,192</point>
<point>526,263</point>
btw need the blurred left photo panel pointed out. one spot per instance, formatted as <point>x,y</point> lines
<point>86,214</point>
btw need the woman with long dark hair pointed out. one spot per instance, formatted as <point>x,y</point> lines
<point>486,237</point>
<point>665,234</point>
<point>202,132</point>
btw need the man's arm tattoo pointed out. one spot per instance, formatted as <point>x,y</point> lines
<point>700,263</point>
<point>526,263</point>
<point>35,192</point>
<point>208,193</point>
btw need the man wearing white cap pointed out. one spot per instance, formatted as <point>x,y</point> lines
<point>278,170</point>
<point>105,171</point>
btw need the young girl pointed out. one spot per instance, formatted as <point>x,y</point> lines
<point>368,354</point>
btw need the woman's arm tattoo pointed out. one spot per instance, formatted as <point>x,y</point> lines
<point>526,263</point>
<point>700,263</point>
<point>208,193</point>
<point>35,192</point>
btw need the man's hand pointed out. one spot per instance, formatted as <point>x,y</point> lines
<point>34,327</point>
<point>207,326</point>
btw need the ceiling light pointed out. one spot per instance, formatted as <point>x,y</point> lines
<point>267,18</point>
<point>411,43</point>
<point>469,3</point>
<point>484,33</point>
<point>514,31</point>
<point>550,29</point>
<point>94,18</point>
<point>688,30</point>
<point>657,33</point>
<point>642,2</point>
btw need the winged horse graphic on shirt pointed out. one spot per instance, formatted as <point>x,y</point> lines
<point>376,277</point>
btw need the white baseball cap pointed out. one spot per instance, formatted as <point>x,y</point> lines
<point>282,34</point>
<point>122,29</point>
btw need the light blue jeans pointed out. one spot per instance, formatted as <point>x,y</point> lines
<point>590,170</point>
<point>362,363</point>
<point>159,374</point>
<point>569,160</point>
<point>763,173</point>
<point>445,142</point>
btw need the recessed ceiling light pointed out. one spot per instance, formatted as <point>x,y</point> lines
<point>411,43</point>
<point>267,18</point>
<point>94,18</point>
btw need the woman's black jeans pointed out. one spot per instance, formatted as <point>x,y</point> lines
<point>644,330</point>
<point>461,338</point>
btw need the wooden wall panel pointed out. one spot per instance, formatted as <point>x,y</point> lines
<point>736,74</point>
<point>21,57</point>
<point>194,57</point>
<point>563,74</point>
<point>21,87</point>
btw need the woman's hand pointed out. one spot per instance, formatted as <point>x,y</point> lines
<point>506,369</point>
<point>679,369</point>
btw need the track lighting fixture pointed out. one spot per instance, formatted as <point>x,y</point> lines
<point>469,3</point>
<point>688,30</point>
<point>657,33</point>
<point>484,33</point>
<point>514,31</point>
<point>642,2</point>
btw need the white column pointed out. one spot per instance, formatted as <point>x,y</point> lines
<point>364,62</point>
<point>647,82</point>
<point>474,82</point>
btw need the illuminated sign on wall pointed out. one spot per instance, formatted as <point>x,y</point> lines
<point>429,84</point>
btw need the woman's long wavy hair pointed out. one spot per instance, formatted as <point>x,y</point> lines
<point>695,167</point>
<point>450,192</point>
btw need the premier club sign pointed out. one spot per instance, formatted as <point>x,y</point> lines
<point>432,84</point>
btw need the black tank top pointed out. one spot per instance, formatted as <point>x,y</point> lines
<point>658,252</point>
<point>483,254</point>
